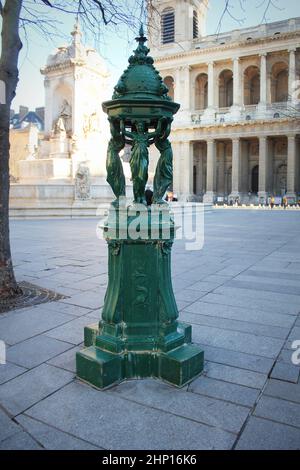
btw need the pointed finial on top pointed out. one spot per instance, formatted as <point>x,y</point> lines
<point>141,39</point>
<point>76,33</point>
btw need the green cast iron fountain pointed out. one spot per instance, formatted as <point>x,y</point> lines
<point>139,334</point>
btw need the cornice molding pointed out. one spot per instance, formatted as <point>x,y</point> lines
<point>225,47</point>
<point>251,123</point>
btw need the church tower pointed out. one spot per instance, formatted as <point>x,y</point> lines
<point>176,24</point>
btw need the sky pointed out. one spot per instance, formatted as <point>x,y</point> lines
<point>116,48</point>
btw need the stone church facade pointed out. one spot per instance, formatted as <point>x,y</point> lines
<point>236,136</point>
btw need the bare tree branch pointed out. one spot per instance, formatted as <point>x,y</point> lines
<point>228,9</point>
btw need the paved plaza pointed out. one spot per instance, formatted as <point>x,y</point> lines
<point>241,293</point>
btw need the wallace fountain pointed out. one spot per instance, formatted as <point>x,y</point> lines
<point>139,334</point>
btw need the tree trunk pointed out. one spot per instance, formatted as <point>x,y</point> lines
<point>11,46</point>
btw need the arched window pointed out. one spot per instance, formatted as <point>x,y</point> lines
<point>195,25</point>
<point>201,91</point>
<point>169,82</point>
<point>168,26</point>
<point>251,85</point>
<point>226,89</point>
<point>282,86</point>
<point>279,83</point>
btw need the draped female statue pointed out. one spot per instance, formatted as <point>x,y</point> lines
<point>140,140</point>
<point>115,175</point>
<point>164,170</point>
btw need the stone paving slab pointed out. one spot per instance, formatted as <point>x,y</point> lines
<point>237,341</point>
<point>227,391</point>
<point>34,351</point>
<point>284,390</point>
<point>233,374</point>
<point>66,360</point>
<point>274,275</point>
<point>241,314</point>
<point>89,300</point>
<point>25,325</point>
<point>276,284</point>
<point>243,292</point>
<point>20,441</point>
<point>287,372</point>
<point>252,303</point>
<point>97,420</point>
<point>50,437</point>
<point>246,331</point>
<point>7,427</point>
<point>62,307</point>
<point>23,391</point>
<point>9,371</point>
<point>206,410</point>
<point>238,359</point>
<point>188,295</point>
<point>261,434</point>
<point>279,410</point>
<point>235,325</point>
<point>72,332</point>
<point>265,291</point>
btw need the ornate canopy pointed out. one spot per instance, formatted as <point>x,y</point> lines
<point>141,93</point>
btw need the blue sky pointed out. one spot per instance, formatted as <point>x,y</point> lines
<point>116,48</point>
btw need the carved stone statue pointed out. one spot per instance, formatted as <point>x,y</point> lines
<point>82,182</point>
<point>59,126</point>
<point>66,115</point>
<point>164,170</point>
<point>114,167</point>
<point>139,161</point>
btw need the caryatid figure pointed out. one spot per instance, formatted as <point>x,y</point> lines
<point>164,170</point>
<point>115,174</point>
<point>139,160</point>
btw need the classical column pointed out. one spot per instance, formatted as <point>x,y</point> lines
<point>183,82</point>
<point>236,82</point>
<point>185,86</point>
<point>221,172</point>
<point>211,86</point>
<point>244,189</point>
<point>176,167</point>
<point>263,188</point>
<point>198,164</point>
<point>210,194</point>
<point>186,170</point>
<point>177,89</point>
<point>263,80</point>
<point>200,171</point>
<point>292,74</point>
<point>236,169</point>
<point>209,113</point>
<point>291,166</point>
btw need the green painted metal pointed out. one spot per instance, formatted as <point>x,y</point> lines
<point>139,334</point>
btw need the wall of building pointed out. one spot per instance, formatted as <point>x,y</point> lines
<point>237,132</point>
